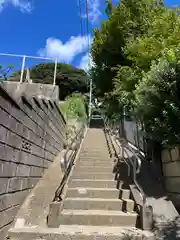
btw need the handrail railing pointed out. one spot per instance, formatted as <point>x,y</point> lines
<point>108,144</point>
<point>124,159</point>
<point>133,163</point>
<point>116,154</point>
<point>66,164</point>
<point>135,174</point>
<point>25,57</point>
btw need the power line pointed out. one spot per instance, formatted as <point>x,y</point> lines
<point>88,36</point>
<point>87,24</point>
<point>80,13</point>
<point>86,33</point>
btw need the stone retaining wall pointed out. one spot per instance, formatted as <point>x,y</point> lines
<point>32,132</point>
<point>171,172</point>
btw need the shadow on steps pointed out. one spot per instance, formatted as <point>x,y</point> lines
<point>150,182</point>
<point>121,175</point>
<point>165,216</point>
<point>123,182</point>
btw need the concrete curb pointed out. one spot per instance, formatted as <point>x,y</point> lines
<point>81,232</point>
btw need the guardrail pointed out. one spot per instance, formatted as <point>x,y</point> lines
<point>135,164</point>
<point>25,57</point>
<point>111,133</point>
<point>68,161</point>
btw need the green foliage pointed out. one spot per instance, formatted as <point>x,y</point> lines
<point>75,107</point>
<point>5,71</point>
<point>136,65</point>
<point>68,78</point>
<point>157,100</point>
<point>109,7</point>
<point>129,20</point>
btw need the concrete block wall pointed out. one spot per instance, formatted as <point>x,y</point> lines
<point>171,171</point>
<point>32,132</point>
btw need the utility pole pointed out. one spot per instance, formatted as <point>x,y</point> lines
<point>90,97</point>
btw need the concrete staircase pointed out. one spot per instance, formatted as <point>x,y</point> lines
<point>92,197</point>
<point>96,206</point>
<point>95,202</point>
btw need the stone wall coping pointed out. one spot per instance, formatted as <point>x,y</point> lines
<point>10,98</point>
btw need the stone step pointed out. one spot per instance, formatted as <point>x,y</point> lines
<point>91,183</point>
<point>95,150</point>
<point>128,205</point>
<point>93,204</point>
<point>124,193</point>
<point>99,204</point>
<point>90,150</point>
<point>92,160</point>
<point>96,161</point>
<point>90,175</point>
<point>93,169</point>
<point>101,153</point>
<point>93,193</point>
<point>93,164</point>
<point>97,218</point>
<point>90,155</point>
<point>79,232</point>
<point>98,150</point>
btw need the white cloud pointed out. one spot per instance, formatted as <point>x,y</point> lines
<point>23,5</point>
<point>65,52</point>
<point>86,62</point>
<point>93,10</point>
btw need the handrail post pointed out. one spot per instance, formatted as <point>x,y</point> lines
<point>90,97</point>
<point>22,68</point>
<point>55,72</point>
<point>134,169</point>
<point>122,150</point>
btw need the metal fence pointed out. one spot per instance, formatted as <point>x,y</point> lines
<point>132,131</point>
<point>24,59</point>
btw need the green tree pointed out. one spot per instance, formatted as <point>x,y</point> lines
<point>135,35</point>
<point>5,71</point>
<point>68,78</point>
<point>127,21</point>
<point>157,99</point>
<point>109,7</point>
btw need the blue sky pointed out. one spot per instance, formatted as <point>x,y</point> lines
<point>48,28</point>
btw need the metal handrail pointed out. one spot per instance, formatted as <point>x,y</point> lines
<point>126,162</point>
<point>25,57</point>
<point>134,176</point>
<point>128,166</point>
<point>68,164</point>
<point>74,139</point>
<point>107,141</point>
<point>134,166</point>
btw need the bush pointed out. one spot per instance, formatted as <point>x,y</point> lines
<point>75,107</point>
<point>157,99</point>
